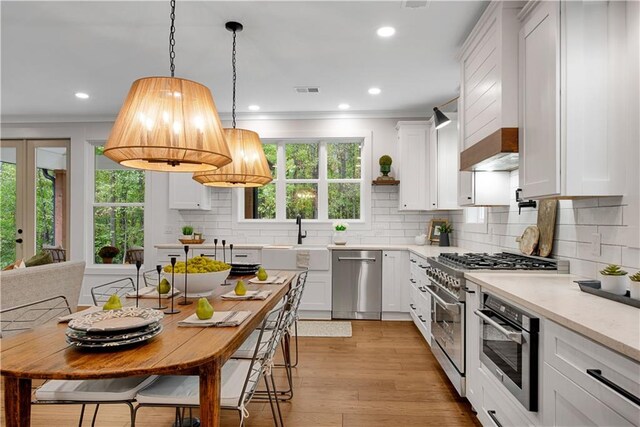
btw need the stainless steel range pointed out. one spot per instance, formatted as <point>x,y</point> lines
<point>448,294</point>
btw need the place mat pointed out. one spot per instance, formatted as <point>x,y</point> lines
<point>271,280</point>
<point>250,295</point>
<point>88,310</point>
<point>219,319</point>
<point>151,292</point>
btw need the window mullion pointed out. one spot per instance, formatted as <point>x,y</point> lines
<point>323,190</point>
<point>281,191</point>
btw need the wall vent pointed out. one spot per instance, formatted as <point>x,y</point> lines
<point>307,89</point>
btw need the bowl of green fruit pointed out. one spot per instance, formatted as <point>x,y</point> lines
<point>203,274</point>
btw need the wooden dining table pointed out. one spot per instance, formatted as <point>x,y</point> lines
<point>43,353</point>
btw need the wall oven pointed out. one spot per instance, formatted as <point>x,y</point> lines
<point>509,348</point>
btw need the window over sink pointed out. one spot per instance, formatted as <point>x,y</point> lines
<point>319,179</point>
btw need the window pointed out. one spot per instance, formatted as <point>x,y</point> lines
<point>317,179</point>
<point>118,207</point>
<point>475,219</point>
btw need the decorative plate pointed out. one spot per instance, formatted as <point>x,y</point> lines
<point>114,344</point>
<point>125,319</point>
<point>89,337</point>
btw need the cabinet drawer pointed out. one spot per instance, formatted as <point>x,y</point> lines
<point>572,355</point>
<point>567,404</point>
<point>497,410</point>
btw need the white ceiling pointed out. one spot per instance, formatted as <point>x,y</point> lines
<point>50,50</point>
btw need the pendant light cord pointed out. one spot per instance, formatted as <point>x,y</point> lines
<point>172,39</point>
<point>233,64</point>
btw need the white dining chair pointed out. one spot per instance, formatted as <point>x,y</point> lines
<point>70,392</point>
<point>121,287</point>
<point>239,380</point>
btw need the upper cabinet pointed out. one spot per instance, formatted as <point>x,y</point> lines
<point>413,173</point>
<point>185,193</point>
<point>488,103</point>
<point>572,66</point>
<point>428,165</point>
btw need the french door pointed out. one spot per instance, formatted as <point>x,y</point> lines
<point>34,199</point>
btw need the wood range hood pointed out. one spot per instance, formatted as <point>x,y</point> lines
<point>496,152</point>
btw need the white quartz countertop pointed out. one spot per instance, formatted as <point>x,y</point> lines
<point>557,298</point>
<point>423,251</point>
<point>208,246</point>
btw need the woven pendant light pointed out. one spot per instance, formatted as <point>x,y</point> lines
<point>168,124</point>
<point>249,167</point>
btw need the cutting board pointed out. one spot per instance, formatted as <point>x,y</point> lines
<point>547,212</point>
<point>529,240</point>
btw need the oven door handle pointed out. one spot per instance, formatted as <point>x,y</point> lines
<point>442,303</point>
<point>513,336</point>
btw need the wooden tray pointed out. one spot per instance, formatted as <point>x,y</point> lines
<point>191,241</point>
<point>593,287</point>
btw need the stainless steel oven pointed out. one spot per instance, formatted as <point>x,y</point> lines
<point>509,348</point>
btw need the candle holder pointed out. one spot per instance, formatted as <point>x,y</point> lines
<point>173,265</point>
<point>138,265</point>
<point>215,249</point>
<point>224,258</point>
<point>186,275</point>
<point>160,306</point>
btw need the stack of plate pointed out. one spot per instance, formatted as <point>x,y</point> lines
<point>241,269</point>
<point>114,328</point>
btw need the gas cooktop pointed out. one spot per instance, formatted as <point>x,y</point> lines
<point>498,261</point>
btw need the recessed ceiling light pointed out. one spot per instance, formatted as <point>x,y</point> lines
<point>254,107</point>
<point>344,106</point>
<point>374,91</point>
<point>386,31</point>
<point>82,95</point>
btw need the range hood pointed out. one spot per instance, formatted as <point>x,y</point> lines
<point>496,152</point>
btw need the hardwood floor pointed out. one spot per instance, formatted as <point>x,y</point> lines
<point>385,375</point>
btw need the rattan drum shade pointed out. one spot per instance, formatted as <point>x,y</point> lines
<point>168,124</point>
<point>249,167</point>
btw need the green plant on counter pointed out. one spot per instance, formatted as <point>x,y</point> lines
<point>635,277</point>
<point>613,270</point>
<point>187,230</point>
<point>445,228</point>
<point>385,160</point>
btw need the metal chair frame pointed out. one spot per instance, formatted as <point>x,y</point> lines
<point>43,315</point>
<point>120,287</point>
<point>260,367</point>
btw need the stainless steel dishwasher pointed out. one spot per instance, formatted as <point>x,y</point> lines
<point>356,284</point>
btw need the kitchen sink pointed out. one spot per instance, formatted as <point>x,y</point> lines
<point>286,257</point>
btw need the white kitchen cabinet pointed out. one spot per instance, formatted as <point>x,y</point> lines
<point>484,189</point>
<point>317,295</point>
<point>472,350</point>
<point>443,165</point>
<point>489,74</point>
<point>395,293</point>
<point>413,173</point>
<point>185,193</point>
<point>574,397</point>
<point>572,63</point>
<point>420,300</point>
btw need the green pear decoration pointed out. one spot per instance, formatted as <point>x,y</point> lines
<point>262,274</point>
<point>113,303</point>
<point>164,287</point>
<point>241,288</point>
<point>204,310</point>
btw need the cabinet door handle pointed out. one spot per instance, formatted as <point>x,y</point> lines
<point>469,198</point>
<point>174,255</point>
<point>412,281</point>
<point>422,319</point>
<point>241,256</point>
<point>469,291</point>
<point>413,261</point>
<point>208,255</point>
<point>413,307</point>
<point>492,415</point>
<point>597,374</point>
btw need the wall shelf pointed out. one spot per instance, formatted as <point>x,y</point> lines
<point>385,182</point>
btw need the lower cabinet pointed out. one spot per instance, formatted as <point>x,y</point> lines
<point>419,298</point>
<point>317,294</point>
<point>472,349</point>
<point>395,293</point>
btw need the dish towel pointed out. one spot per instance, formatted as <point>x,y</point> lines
<point>271,280</point>
<point>302,259</point>
<point>254,295</point>
<point>88,310</point>
<point>219,319</point>
<point>151,292</point>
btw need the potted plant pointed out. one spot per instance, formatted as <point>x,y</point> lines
<point>444,230</point>
<point>107,253</point>
<point>187,232</point>
<point>634,285</point>
<point>385,167</point>
<point>612,279</point>
<point>340,233</point>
